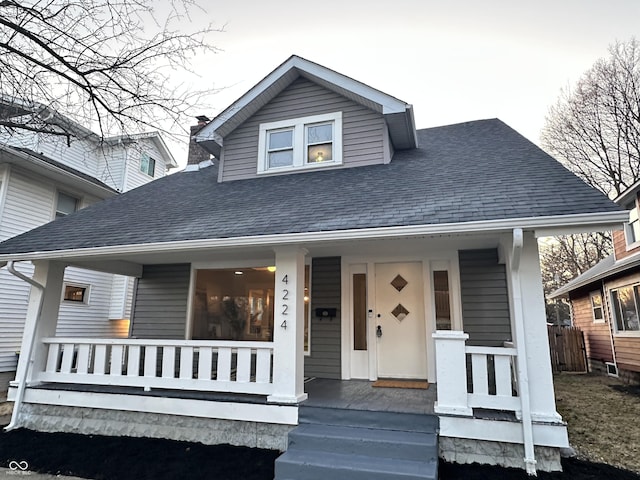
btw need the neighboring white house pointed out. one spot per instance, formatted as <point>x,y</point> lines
<point>329,244</point>
<point>44,177</point>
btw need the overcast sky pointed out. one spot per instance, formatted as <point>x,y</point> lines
<point>454,60</point>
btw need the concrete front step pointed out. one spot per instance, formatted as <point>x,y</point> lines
<point>337,444</point>
<point>396,444</point>
<point>406,422</point>
<point>313,465</point>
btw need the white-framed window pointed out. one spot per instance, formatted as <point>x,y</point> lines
<point>624,304</point>
<point>66,204</point>
<point>301,143</point>
<point>75,293</point>
<point>632,229</point>
<point>596,307</point>
<point>147,165</point>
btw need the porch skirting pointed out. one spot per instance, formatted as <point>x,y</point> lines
<point>464,450</point>
<point>209,431</point>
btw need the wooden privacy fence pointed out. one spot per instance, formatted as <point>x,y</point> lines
<point>568,352</point>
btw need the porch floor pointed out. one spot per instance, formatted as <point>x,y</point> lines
<point>362,395</point>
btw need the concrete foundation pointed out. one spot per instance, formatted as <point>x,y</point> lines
<point>91,421</point>
<point>462,450</point>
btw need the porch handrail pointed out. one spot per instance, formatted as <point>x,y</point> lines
<point>157,342</point>
<point>198,365</point>
<point>471,376</point>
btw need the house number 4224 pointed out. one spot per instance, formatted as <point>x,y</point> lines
<point>285,298</point>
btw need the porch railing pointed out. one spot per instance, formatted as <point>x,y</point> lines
<point>474,376</point>
<point>212,366</point>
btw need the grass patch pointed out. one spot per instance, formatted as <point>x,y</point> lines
<point>603,415</point>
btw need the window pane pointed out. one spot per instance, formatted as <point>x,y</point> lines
<point>281,159</point>
<point>626,309</point>
<point>359,311</point>
<point>234,306</point>
<point>320,133</point>
<point>66,205</point>
<point>320,153</point>
<point>635,228</point>
<point>443,305</point>
<point>282,139</point>
<point>74,294</point>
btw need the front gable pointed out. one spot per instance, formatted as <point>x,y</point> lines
<point>360,134</point>
<point>301,105</point>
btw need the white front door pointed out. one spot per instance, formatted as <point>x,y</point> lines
<point>400,321</point>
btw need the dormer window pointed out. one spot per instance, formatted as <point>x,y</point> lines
<point>301,143</point>
<point>147,165</point>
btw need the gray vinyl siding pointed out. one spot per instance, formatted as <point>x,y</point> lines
<point>485,298</point>
<point>160,302</point>
<point>363,130</point>
<point>324,361</point>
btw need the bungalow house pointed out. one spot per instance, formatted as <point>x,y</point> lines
<point>48,176</point>
<point>328,245</point>
<point>605,300</point>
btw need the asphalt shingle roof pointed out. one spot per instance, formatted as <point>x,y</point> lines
<point>481,170</point>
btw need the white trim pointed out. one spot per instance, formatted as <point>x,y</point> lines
<point>593,308</point>
<point>389,104</point>
<point>248,412</point>
<point>188,328</point>
<point>5,173</point>
<point>544,434</point>
<point>528,223</point>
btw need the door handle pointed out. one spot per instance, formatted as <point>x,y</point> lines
<point>379,331</point>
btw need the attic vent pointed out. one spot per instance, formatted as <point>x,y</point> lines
<point>612,369</point>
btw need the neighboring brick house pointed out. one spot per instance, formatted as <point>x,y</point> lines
<point>605,300</point>
<point>44,177</point>
<point>330,244</point>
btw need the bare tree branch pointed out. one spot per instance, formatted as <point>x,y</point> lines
<point>114,65</point>
<point>594,129</point>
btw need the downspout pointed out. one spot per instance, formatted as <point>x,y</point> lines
<point>22,381</point>
<point>521,358</point>
<point>608,318</point>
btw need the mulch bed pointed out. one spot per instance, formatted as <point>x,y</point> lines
<point>122,458</point>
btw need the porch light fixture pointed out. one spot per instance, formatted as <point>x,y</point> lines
<point>271,268</point>
<point>238,272</point>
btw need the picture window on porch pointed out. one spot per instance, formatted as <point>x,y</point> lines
<point>625,308</point>
<point>238,304</point>
<point>596,307</point>
<point>442,299</point>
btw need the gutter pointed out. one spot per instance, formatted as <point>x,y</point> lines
<point>27,354</point>
<point>605,220</point>
<point>94,188</point>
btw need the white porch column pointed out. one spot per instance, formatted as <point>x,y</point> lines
<point>40,322</point>
<point>288,327</point>
<point>451,373</point>
<point>541,391</point>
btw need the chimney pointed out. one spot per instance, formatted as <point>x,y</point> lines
<point>196,153</point>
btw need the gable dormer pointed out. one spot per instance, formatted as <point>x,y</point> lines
<point>627,241</point>
<point>304,117</point>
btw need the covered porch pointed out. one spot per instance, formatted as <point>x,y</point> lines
<point>473,353</point>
